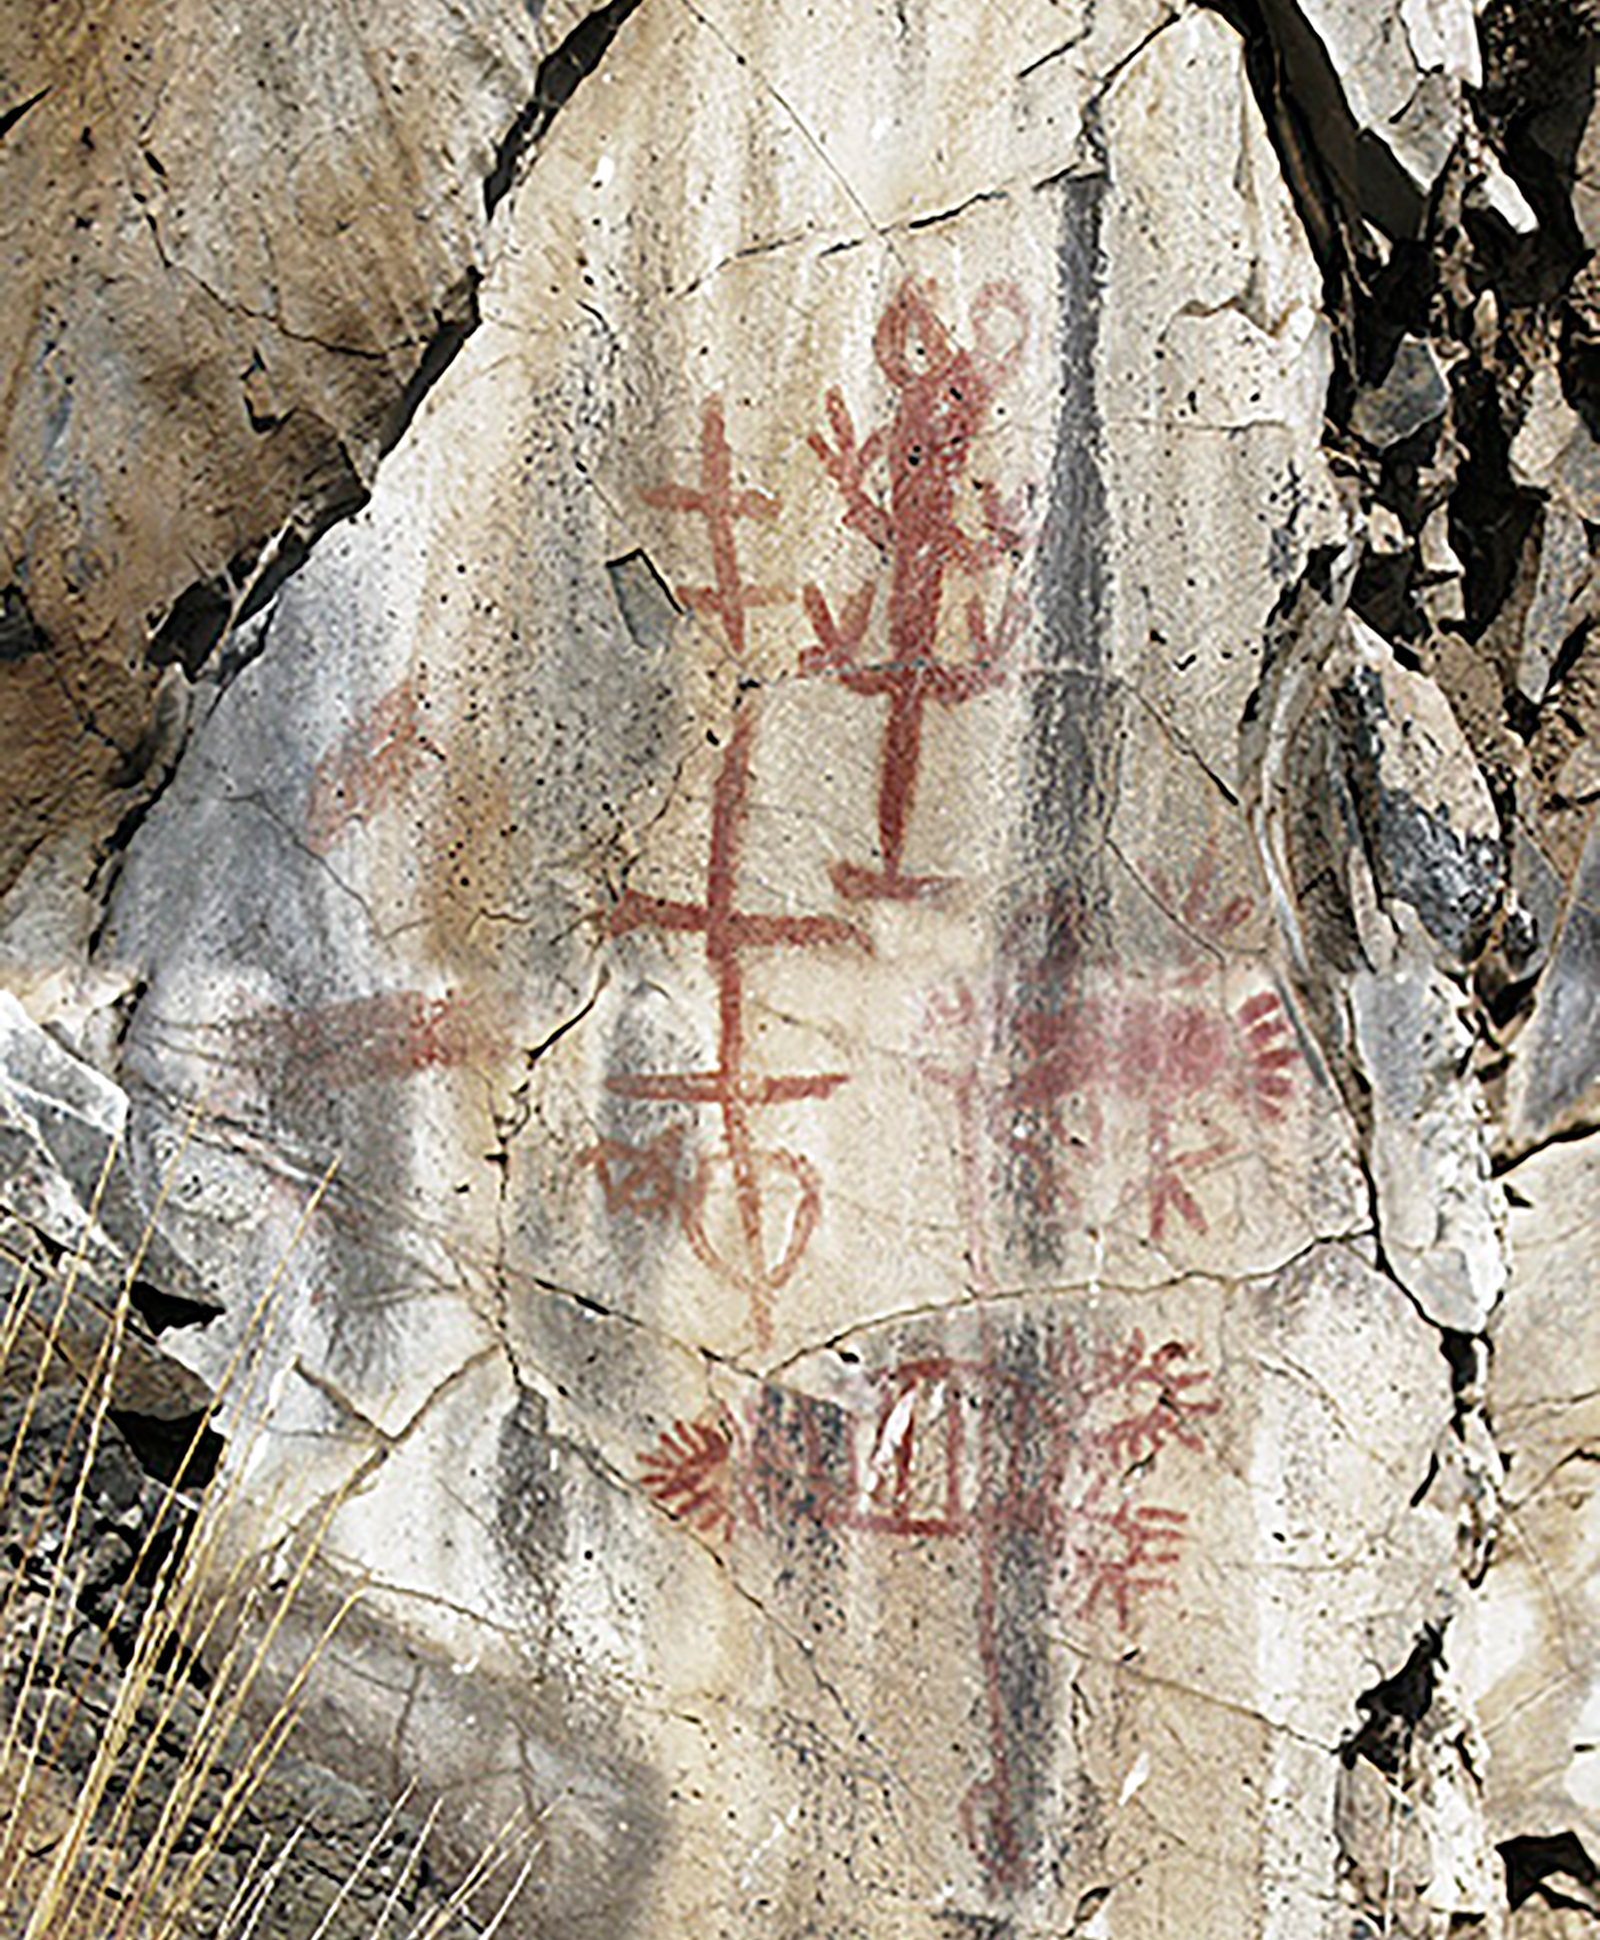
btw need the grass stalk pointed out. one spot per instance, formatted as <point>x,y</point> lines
<point>77,1861</point>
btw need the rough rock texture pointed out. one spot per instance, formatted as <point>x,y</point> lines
<point>896,953</point>
<point>108,1450</point>
<point>237,246</point>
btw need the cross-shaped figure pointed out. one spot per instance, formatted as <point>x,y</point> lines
<point>729,931</point>
<point>715,501</point>
<point>1031,1450</point>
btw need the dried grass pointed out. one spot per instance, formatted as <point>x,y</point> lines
<point>120,1849</point>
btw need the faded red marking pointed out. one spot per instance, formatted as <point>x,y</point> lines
<point>644,1179</point>
<point>967,1450</point>
<point>364,1040</point>
<point>757,1266</point>
<point>1159,1053</point>
<point>905,1465</point>
<point>715,500</point>
<point>1197,909</point>
<point>1034,1065</point>
<point>368,763</point>
<point>945,392</point>
<point>955,1014</point>
<point>1148,1545</point>
<point>763,1270</point>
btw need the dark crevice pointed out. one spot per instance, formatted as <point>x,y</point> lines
<point>1567,657</point>
<point>1468,1357</point>
<point>1316,140</point>
<point>455,324</point>
<point>558,79</point>
<point>1461,1353</point>
<point>11,116</point>
<point>346,499</point>
<point>1395,1706</point>
<point>1490,520</point>
<point>1384,595</point>
<point>209,610</point>
<point>112,852</point>
<point>1522,715</point>
<point>1534,1863</point>
<point>183,1451</point>
<point>196,622</point>
<point>160,1309</point>
<point>1538,86</point>
<point>1586,1125</point>
<point>20,636</point>
<point>1419,1494</point>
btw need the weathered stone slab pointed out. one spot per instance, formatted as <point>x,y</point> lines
<point>847,1283</point>
<point>1414,393</point>
<point>1556,1060</point>
<point>1529,1642</point>
<point>1396,70</point>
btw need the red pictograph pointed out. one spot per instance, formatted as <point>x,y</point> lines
<point>1157,1054</point>
<point>926,452</point>
<point>754,1260</point>
<point>334,1047</point>
<point>1045,1466</point>
<point>1065,1045</point>
<point>368,763</point>
<point>689,1473</point>
<point>645,1179</point>
<point>716,500</point>
<point>949,1447</point>
<point>1147,1542</point>
<point>774,1195</point>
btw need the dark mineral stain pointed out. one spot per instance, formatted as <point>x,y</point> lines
<point>1452,878</point>
<point>529,1517</point>
<point>1068,761</point>
<point>19,636</point>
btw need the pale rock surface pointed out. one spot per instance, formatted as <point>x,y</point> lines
<point>1530,1642</point>
<point>1556,1060</point>
<point>1400,69</point>
<point>1437,1210</point>
<point>1556,605</point>
<point>556,867</point>
<point>859,958</point>
<point>1549,425</point>
<point>1382,832</point>
<point>237,242</point>
<point>1413,394</point>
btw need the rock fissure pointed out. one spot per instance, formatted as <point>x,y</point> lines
<point>939,887</point>
<point>561,73</point>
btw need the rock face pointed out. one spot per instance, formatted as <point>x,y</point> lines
<point>884,957</point>
<point>226,290</point>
